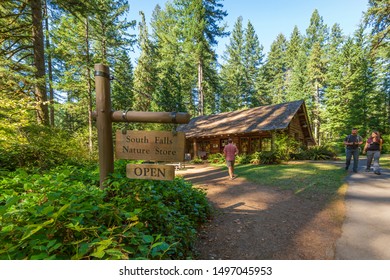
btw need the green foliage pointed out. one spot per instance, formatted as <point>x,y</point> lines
<point>255,158</point>
<point>278,156</point>
<point>285,145</point>
<point>62,214</point>
<point>233,70</point>
<point>377,17</point>
<point>270,157</point>
<point>42,147</point>
<point>197,160</point>
<point>145,74</point>
<point>316,153</point>
<point>386,144</point>
<point>266,157</point>
<point>243,159</point>
<point>217,158</point>
<point>275,73</point>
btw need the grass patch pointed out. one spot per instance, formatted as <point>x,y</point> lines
<point>310,180</point>
<point>320,179</point>
<point>384,161</point>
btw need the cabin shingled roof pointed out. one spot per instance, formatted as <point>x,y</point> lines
<point>263,118</point>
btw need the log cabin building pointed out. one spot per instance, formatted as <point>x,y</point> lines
<point>251,129</point>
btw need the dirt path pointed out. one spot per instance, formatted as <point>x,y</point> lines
<point>257,222</point>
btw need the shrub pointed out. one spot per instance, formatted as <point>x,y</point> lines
<point>284,146</point>
<point>316,153</point>
<point>255,158</point>
<point>243,159</point>
<point>43,147</point>
<point>197,160</point>
<point>62,214</point>
<point>216,158</point>
<point>386,143</point>
<point>270,157</point>
<point>266,157</point>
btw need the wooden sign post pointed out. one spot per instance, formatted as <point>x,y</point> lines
<point>103,121</point>
<point>104,118</point>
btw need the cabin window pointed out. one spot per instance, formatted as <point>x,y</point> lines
<point>204,149</point>
<point>266,144</point>
<point>204,146</point>
<point>224,142</point>
<point>244,145</point>
<point>255,145</point>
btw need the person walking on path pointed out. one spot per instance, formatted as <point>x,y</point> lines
<point>352,143</point>
<point>373,148</point>
<point>230,151</point>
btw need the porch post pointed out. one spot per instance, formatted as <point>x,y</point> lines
<point>273,137</point>
<point>195,148</point>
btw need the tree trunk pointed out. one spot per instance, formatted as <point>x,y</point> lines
<point>39,63</point>
<point>49,65</point>
<point>317,114</point>
<point>200,88</point>
<point>90,142</point>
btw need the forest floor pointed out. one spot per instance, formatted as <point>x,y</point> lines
<point>252,221</point>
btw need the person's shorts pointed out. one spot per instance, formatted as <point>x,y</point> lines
<point>230,163</point>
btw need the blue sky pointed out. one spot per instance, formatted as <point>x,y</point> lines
<point>272,17</point>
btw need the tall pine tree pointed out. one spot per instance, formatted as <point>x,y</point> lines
<point>276,70</point>
<point>199,20</point>
<point>315,41</point>
<point>233,70</point>
<point>241,70</point>
<point>253,61</point>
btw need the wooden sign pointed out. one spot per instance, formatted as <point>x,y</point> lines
<point>164,148</point>
<point>150,145</point>
<point>150,171</point>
